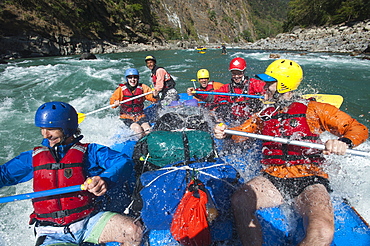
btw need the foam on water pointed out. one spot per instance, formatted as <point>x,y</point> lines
<point>88,85</point>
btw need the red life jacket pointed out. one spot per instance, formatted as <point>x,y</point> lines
<point>209,87</point>
<point>291,124</point>
<point>49,174</point>
<point>135,106</point>
<point>169,82</point>
<point>203,97</point>
<point>240,107</point>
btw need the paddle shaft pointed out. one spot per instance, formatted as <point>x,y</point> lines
<point>193,80</point>
<point>293,142</point>
<point>124,101</point>
<point>43,193</point>
<point>226,94</point>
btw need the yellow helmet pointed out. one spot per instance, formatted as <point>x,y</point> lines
<point>203,74</point>
<point>287,73</point>
<point>149,57</point>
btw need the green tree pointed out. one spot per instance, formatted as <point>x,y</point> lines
<point>306,13</point>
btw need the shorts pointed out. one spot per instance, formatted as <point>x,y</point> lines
<point>293,187</point>
<point>86,230</point>
<point>128,122</point>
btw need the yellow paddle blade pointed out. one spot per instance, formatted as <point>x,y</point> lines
<point>81,117</point>
<point>335,100</point>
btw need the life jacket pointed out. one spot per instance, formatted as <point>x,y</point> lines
<point>135,106</point>
<point>50,174</point>
<point>209,87</point>
<point>291,124</point>
<point>169,82</point>
<point>241,105</point>
<point>203,97</point>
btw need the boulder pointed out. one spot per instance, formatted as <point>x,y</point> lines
<point>87,56</point>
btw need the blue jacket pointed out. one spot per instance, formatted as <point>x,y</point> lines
<point>100,160</point>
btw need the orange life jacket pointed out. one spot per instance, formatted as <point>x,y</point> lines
<point>50,174</point>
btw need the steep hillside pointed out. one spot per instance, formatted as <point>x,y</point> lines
<point>220,20</point>
<point>63,27</point>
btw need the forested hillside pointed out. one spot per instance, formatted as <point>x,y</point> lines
<point>113,20</point>
<point>306,13</point>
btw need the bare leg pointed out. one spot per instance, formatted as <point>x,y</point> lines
<point>137,129</point>
<point>316,208</point>
<point>122,229</point>
<point>146,127</point>
<point>257,193</point>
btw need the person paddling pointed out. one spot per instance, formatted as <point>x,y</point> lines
<point>292,173</point>
<point>204,85</point>
<point>224,51</point>
<point>62,160</point>
<point>132,111</point>
<point>162,81</point>
<point>238,108</point>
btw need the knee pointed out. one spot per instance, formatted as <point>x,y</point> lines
<point>134,232</point>
<point>321,232</point>
<point>243,198</point>
<point>326,231</point>
<point>136,128</point>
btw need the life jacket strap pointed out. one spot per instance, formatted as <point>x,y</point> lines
<point>56,166</point>
<point>64,213</point>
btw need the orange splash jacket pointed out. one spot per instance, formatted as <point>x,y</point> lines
<point>300,122</point>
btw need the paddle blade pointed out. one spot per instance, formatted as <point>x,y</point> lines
<point>335,100</point>
<point>81,117</point>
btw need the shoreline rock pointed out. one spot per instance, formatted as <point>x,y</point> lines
<point>352,38</point>
<point>16,47</point>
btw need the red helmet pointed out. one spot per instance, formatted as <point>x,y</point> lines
<point>238,63</point>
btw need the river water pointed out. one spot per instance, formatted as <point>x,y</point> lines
<point>88,84</point>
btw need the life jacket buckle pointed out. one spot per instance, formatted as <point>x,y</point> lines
<point>56,166</point>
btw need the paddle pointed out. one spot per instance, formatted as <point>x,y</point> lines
<point>335,100</point>
<point>193,80</point>
<point>43,193</point>
<point>81,116</point>
<point>226,94</point>
<point>293,142</point>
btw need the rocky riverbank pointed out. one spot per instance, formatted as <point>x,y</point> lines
<point>37,46</point>
<point>353,38</point>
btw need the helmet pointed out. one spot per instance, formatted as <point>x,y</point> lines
<point>238,63</point>
<point>131,71</point>
<point>288,74</point>
<point>150,58</point>
<point>57,115</point>
<point>203,74</point>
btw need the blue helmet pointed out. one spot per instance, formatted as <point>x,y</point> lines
<point>57,115</point>
<point>131,71</point>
